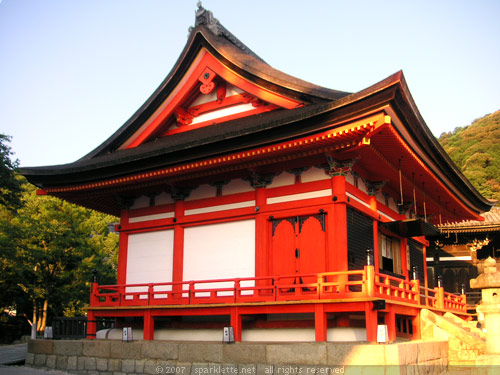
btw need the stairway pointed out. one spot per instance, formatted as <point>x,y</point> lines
<point>465,341</point>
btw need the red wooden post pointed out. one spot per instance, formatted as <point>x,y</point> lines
<point>415,321</point>
<point>440,298</point>
<point>94,289</point>
<point>320,322</point>
<point>370,281</point>
<point>149,326</point>
<point>417,291</point>
<point>371,322</point>
<point>390,320</point>
<point>236,324</point>
<point>91,325</point>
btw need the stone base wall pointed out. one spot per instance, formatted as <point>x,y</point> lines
<point>108,357</point>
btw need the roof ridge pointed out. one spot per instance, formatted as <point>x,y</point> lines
<point>204,17</point>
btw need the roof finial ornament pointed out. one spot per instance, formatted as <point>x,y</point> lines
<point>205,17</point>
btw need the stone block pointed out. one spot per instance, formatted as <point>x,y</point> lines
<point>90,363</point>
<point>96,348</point>
<point>41,346</point>
<point>51,361</point>
<point>126,350</point>
<point>243,353</point>
<point>356,354</point>
<point>159,349</point>
<point>30,358</point>
<point>408,353</point>
<point>428,351</point>
<point>40,359</point>
<point>102,364</point>
<point>297,353</point>
<point>139,365</point>
<point>200,352</point>
<point>68,347</point>
<point>80,363</point>
<point>114,365</point>
<point>72,363</point>
<point>128,365</point>
<point>62,362</point>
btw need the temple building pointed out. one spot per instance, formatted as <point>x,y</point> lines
<point>458,253</point>
<point>254,200</point>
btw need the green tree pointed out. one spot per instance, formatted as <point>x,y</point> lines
<point>475,149</point>
<point>10,182</point>
<point>50,249</point>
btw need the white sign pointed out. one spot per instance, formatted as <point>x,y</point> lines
<point>382,333</point>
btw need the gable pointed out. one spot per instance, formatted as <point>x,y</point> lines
<point>208,93</point>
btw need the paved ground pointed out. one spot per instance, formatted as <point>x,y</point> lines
<point>11,354</point>
<point>22,370</point>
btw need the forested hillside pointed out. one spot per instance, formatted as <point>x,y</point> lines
<point>476,151</point>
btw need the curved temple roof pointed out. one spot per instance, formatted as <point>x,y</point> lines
<point>273,107</point>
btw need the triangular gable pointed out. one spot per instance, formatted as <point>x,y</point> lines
<point>208,93</point>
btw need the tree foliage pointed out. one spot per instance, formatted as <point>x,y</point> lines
<point>10,183</point>
<point>475,149</point>
<point>50,248</point>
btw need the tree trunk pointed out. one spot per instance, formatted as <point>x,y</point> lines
<point>44,315</point>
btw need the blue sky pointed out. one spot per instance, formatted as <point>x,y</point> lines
<point>72,72</point>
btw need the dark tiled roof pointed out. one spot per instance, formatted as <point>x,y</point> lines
<point>491,222</point>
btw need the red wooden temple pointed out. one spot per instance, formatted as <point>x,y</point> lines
<point>252,199</point>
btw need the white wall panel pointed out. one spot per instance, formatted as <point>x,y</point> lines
<point>150,258</point>
<point>219,251</point>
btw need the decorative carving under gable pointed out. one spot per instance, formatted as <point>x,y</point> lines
<point>207,81</point>
<point>218,185</point>
<point>260,180</point>
<point>183,117</point>
<point>180,193</point>
<point>339,167</point>
<point>404,207</point>
<point>221,91</point>
<point>374,187</point>
<point>124,203</point>
<point>256,102</point>
<point>298,172</point>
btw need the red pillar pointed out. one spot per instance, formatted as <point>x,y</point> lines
<point>91,325</point>
<point>320,322</point>
<point>236,324</point>
<point>261,224</point>
<point>371,322</point>
<point>149,326</point>
<point>337,222</point>
<point>178,253</point>
<point>122,259</point>
<point>415,321</point>
<point>390,321</point>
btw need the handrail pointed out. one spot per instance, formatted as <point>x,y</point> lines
<point>363,283</point>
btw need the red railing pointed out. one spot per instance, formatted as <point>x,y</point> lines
<point>304,287</point>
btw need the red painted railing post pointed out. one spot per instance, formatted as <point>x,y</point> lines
<point>415,287</point>
<point>236,289</point>
<point>439,298</point>
<point>94,289</point>
<point>370,281</point>
<point>191,292</point>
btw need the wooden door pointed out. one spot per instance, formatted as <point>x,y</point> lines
<point>298,245</point>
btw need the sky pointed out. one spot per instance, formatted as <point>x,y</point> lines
<point>73,71</point>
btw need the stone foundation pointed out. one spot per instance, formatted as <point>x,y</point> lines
<point>108,357</point>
